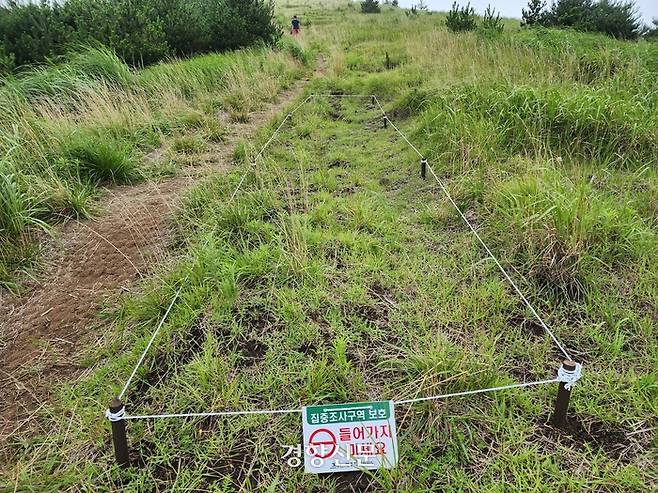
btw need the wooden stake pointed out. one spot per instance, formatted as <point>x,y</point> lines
<point>119,438</point>
<point>559,418</point>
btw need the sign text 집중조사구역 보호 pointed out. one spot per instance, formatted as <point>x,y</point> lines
<point>349,437</point>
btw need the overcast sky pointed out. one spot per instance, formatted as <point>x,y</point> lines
<point>512,8</point>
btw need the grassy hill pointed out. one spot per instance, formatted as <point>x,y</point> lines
<point>337,274</point>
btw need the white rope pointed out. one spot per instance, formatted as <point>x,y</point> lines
<point>260,153</point>
<point>118,416</point>
<point>237,188</point>
<point>311,96</point>
<point>244,175</point>
<point>569,377</point>
<point>217,414</point>
<point>148,346</point>
<point>329,95</point>
<point>379,104</point>
<point>484,245</point>
<point>473,392</point>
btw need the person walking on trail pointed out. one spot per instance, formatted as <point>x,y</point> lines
<point>296,25</point>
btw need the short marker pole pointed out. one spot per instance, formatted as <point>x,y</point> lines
<point>423,168</point>
<point>559,418</point>
<point>372,99</point>
<point>385,121</point>
<point>119,438</point>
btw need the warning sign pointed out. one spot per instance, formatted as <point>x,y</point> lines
<point>349,437</point>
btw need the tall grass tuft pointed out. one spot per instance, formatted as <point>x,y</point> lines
<point>565,234</point>
<point>99,159</point>
<point>18,211</point>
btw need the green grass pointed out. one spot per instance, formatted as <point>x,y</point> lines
<point>337,274</point>
<point>87,121</point>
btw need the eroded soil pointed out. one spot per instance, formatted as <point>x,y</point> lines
<point>89,264</point>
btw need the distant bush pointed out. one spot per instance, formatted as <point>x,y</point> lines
<point>613,17</point>
<point>491,22</point>
<point>370,7</point>
<point>32,32</point>
<point>535,13</point>
<point>141,32</point>
<point>7,61</point>
<point>461,18</point>
<point>653,32</point>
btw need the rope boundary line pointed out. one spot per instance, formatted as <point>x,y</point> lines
<point>230,201</point>
<point>569,378</point>
<point>122,416</point>
<point>479,238</point>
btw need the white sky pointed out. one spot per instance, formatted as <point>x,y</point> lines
<point>512,8</point>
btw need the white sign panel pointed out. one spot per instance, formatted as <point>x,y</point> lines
<point>349,437</point>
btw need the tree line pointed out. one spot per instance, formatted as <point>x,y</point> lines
<point>617,18</point>
<point>141,32</point>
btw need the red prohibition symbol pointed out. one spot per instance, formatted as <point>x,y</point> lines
<point>321,440</point>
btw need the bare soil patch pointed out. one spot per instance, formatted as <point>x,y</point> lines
<point>43,333</point>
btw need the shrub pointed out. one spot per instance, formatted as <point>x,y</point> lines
<point>587,123</point>
<point>141,32</point>
<point>613,17</point>
<point>238,23</point>
<point>31,32</point>
<point>461,18</point>
<point>618,19</point>
<point>7,60</point>
<point>652,33</point>
<point>100,63</point>
<point>370,7</point>
<point>491,21</point>
<point>534,15</point>
<point>292,47</point>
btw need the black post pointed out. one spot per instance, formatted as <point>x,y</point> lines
<point>385,121</point>
<point>119,438</point>
<point>559,418</point>
<point>423,168</point>
<point>372,99</point>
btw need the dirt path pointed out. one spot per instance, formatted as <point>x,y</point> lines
<point>43,334</point>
